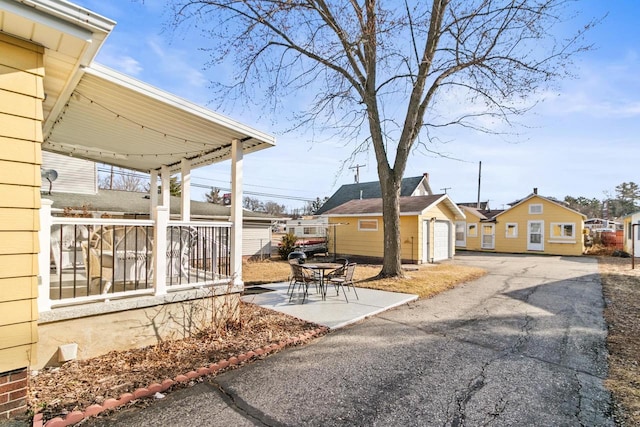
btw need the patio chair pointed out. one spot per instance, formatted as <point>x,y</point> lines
<point>301,277</point>
<point>346,280</point>
<point>117,254</point>
<point>179,243</point>
<point>66,241</point>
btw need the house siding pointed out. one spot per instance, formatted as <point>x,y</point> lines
<point>350,241</point>
<point>21,96</point>
<point>256,240</point>
<point>630,233</point>
<point>74,175</point>
<point>551,213</point>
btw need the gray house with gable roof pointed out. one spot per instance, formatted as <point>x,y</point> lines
<point>413,186</point>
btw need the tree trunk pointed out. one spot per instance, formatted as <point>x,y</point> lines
<point>390,188</point>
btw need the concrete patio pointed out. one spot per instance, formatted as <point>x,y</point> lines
<point>334,312</point>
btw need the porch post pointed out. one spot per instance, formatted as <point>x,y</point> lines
<point>44,256</point>
<point>165,177</point>
<point>236,211</point>
<point>160,250</point>
<point>153,192</point>
<point>185,187</point>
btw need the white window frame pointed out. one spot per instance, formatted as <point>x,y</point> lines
<point>535,209</point>
<point>463,242</point>
<point>360,221</point>
<point>562,237</point>
<point>506,230</point>
<point>473,225</point>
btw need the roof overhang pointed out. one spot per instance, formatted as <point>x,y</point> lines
<point>71,36</point>
<point>115,119</point>
<point>102,115</point>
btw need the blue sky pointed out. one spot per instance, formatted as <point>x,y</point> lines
<point>580,140</point>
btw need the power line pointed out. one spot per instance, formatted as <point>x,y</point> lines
<point>134,174</point>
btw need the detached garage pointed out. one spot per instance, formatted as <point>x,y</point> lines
<point>426,228</point>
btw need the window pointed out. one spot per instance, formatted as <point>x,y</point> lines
<point>472,230</point>
<point>535,208</point>
<point>511,231</point>
<point>561,230</point>
<point>310,230</point>
<point>367,225</point>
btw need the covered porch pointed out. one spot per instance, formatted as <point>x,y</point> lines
<point>114,119</point>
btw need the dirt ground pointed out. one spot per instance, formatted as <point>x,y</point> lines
<point>621,289</point>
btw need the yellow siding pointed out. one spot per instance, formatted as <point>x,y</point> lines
<point>19,174</point>
<point>20,288</point>
<point>21,95</point>
<point>474,241</point>
<point>410,238</point>
<point>9,356</point>
<point>350,240</point>
<point>551,213</point>
<point>12,219</point>
<point>19,242</point>
<point>20,151</point>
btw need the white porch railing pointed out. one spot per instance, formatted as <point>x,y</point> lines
<point>85,259</point>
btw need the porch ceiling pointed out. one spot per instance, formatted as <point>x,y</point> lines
<point>115,119</point>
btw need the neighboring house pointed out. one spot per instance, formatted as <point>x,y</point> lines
<point>631,241</point>
<point>53,97</point>
<point>535,224</point>
<point>256,235</point>
<point>483,205</point>
<point>600,224</point>
<point>426,228</point>
<point>413,186</point>
<point>73,175</point>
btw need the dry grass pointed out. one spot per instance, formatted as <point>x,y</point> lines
<point>621,288</point>
<point>425,281</point>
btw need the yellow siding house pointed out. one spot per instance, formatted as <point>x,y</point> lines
<point>535,224</point>
<point>47,71</point>
<point>426,228</point>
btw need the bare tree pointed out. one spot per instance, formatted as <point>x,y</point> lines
<point>213,196</point>
<point>122,179</point>
<point>390,74</point>
<point>253,204</point>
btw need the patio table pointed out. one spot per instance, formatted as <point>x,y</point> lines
<point>321,267</point>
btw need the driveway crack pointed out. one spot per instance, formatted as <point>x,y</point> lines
<point>247,411</point>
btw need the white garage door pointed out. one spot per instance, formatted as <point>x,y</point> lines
<point>441,240</point>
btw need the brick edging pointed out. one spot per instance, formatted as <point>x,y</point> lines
<point>151,390</point>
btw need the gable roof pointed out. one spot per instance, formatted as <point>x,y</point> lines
<point>409,205</point>
<point>370,190</point>
<point>548,199</point>
<point>135,203</point>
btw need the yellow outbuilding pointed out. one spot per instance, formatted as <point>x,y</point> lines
<point>535,224</point>
<point>426,228</point>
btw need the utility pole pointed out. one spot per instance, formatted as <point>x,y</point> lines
<point>445,189</point>
<point>479,179</point>
<point>357,168</point>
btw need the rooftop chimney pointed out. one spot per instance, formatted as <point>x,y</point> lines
<point>426,176</point>
<point>535,190</point>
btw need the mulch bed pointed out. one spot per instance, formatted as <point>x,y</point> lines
<point>78,384</point>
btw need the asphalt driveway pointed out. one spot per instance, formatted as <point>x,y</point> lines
<point>524,345</point>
